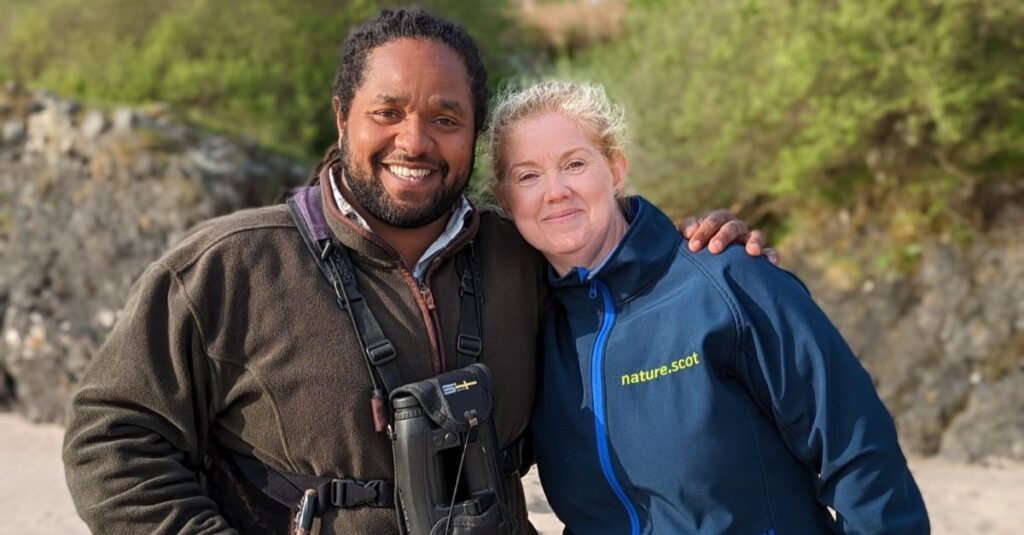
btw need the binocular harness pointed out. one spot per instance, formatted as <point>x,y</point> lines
<point>450,474</point>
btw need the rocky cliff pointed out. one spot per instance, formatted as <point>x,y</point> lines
<point>943,340</point>
<point>88,198</point>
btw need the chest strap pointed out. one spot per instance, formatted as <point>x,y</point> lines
<point>334,262</point>
<point>287,488</point>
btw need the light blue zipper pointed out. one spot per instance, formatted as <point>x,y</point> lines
<point>597,387</point>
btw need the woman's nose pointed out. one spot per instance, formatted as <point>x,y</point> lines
<point>556,188</point>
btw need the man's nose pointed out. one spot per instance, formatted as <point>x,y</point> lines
<point>413,138</point>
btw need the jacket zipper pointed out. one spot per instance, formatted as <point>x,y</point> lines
<point>440,364</point>
<point>425,299</point>
<point>597,388</point>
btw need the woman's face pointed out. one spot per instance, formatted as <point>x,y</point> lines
<point>560,189</point>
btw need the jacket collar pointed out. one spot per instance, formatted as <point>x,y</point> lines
<point>639,260</point>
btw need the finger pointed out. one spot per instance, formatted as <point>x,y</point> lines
<point>709,225</point>
<point>754,242</point>
<point>695,243</point>
<point>772,255</point>
<point>731,231</point>
<point>687,226</point>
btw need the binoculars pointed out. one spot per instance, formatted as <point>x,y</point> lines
<point>447,459</point>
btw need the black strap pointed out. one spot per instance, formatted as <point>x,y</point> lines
<point>469,343</point>
<point>287,488</point>
<point>336,266</point>
<point>377,349</point>
<point>334,262</point>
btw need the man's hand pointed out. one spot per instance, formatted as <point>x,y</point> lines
<point>719,228</point>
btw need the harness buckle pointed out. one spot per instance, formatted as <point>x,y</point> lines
<point>382,353</point>
<point>352,493</point>
<point>470,345</point>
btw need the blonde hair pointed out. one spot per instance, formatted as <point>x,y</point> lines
<point>603,120</point>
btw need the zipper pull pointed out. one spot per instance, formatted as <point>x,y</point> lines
<point>379,409</point>
<point>428,296</point>
<point>593,290</point>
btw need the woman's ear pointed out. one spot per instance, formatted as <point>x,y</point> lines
<point>619,166</point>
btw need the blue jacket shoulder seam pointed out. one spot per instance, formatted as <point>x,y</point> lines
<point>729,302</point>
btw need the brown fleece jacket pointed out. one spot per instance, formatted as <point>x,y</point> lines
<point>233,341</point>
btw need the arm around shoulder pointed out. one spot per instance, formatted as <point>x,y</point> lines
<point>134,442</point>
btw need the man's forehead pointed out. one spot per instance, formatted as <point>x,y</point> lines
<point>406,57</point>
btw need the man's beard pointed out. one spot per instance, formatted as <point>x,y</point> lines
<point>369,192</point>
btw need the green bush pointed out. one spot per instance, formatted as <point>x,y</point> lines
<point>733,100</point>
<point>262,68</point>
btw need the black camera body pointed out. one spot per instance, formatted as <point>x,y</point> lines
<point>447,457</point>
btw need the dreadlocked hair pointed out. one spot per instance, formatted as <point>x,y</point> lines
<point>391,25</point>
<point>333,154</point>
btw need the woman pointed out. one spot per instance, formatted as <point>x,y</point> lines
<point>682,392</point>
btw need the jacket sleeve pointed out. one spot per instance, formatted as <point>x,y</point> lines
<point>801,372</point>
<point>134,442</point>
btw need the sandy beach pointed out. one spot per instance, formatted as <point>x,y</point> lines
<point>962,499</point>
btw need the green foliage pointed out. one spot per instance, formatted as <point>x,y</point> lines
<point>808,100</point>
<point>910,109</point>
<point>262,68</point>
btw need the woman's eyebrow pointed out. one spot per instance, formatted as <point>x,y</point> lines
<point>574,150</point>
<point>522,163</point>
<point>562,156</point>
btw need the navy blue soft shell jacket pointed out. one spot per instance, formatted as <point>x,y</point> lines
<point>696,393</point>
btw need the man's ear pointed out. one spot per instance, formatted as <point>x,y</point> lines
<point>619,166</point>
<point>339,120</point>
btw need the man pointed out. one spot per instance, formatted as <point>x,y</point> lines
<point>232,351</point>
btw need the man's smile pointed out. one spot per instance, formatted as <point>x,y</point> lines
<point>410,174</point>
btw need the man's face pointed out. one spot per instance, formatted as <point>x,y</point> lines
<point>407,142</point>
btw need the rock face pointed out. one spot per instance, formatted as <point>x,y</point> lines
<point>944,343</point>
<point>87,200</point>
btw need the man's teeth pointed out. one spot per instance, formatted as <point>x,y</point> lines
<point>405,172</point>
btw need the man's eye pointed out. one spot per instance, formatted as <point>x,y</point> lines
<point>387,115</point>
<point>446,121</point>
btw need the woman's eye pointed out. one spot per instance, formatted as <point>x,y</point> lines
<point>526,179</point>
<point>575,165</point>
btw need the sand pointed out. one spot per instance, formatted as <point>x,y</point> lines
<point>962,499</point>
